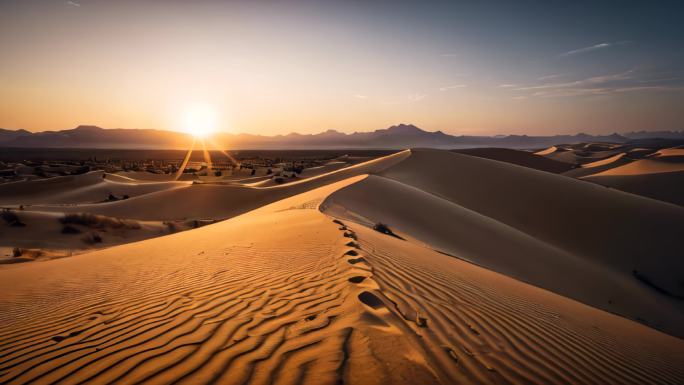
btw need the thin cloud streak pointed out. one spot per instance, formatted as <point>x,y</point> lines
<point>592,48</point>
<point>455,86</point>
<point>73,3</point>
<point>622,82</point>
<point>585,49</point>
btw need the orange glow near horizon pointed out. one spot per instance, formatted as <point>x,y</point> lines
<point>285,68</point>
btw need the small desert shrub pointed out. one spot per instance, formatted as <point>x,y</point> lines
<point>98,221</point>
<point>11,218</point>
<point>92,238</point>
<point>383,228</point>
<point>279,180</point>
<point>16,252</point>
<point>171,226</point>
<point>68,229</point>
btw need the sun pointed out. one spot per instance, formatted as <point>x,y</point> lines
<point>199,120</point>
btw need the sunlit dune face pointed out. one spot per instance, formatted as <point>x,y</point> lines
<point>199,120</point>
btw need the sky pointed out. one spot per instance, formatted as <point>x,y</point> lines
<point>463,67</point>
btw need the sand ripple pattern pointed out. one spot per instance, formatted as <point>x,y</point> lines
<point>251,322</point>
<point>476,326</point>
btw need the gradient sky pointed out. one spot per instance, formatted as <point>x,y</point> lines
<point>464,67</point>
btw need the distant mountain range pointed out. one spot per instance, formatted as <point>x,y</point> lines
<point>395,137</point>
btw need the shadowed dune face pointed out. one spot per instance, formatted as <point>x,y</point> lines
<point>548,230</point>
<point>522,158</point>
<point>650,168</point>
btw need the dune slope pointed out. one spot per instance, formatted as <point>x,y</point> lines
<point>84,188</point>
<point>623,232</point>
<point>218,200</point>
<point>453,229</point>
<point>283,295</point>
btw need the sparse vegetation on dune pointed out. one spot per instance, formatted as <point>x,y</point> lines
<point>92,238</point>
<point>98,221</point>
<point>11,218</point>
<point>383,228</point>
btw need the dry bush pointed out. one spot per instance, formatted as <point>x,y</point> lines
<point>68,229</point>
<point>383,228</point>
<point>92,238</point>
<point>11,218</point>
<point>98,221</point>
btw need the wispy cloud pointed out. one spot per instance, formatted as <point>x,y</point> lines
<point>447,88</point>
<point>359,96</point>
<point>416,97</point>
<point>549,77</point>
<point>591,48</point>
<point>449,55</point>
<point>507,85</point>
<point>405,99</point>
<point>621,82</point>
<point>73,3</point>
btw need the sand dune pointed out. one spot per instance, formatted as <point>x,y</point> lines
<point>659,175</point>
<point>521,158</point>
<point>144,176</point>
<point>218,200</point>
<point>580,153</point>
<point>458,210</point>
<point>45,231</point>
<point>85,188</point>
<point>666,186</point>
<point>653,165</point>
<point>581,218</point>
<point>599,166</point>
<point>283,294</point>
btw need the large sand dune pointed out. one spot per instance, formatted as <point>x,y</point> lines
<point>84,188</point>
<point>284,295</point>
<point>218,200</point>
<point>287,294</point>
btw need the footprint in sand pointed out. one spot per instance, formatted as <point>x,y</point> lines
<point>371,300</point>
<point>354,261</point>
<point>357,279</point>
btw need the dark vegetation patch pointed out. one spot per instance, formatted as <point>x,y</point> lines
<point>383,228</point>
<point>94,221</point>
<point>92,238</point>
<point>68,229</point>
<point>11,218</point>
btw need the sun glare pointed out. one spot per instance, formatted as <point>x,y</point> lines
<point>199,120</point>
